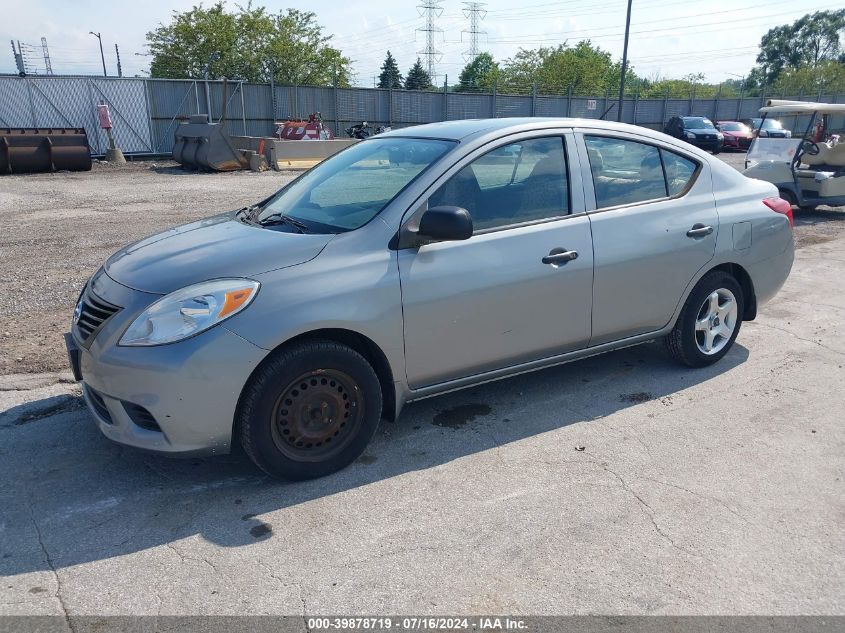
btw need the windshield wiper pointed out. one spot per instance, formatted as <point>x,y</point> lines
<point>248,213</point>
<point>280,218</point>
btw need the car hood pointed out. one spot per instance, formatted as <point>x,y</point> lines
<point>737,133</point>
<point>216,247</point>
<point>703,130</point>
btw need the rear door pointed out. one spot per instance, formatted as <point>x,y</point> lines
<point>654,225</point>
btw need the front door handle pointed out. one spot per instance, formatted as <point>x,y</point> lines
<point>559,256</point>
<point>699,230</point>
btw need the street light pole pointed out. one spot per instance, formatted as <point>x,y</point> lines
<point>624,63</point>
<point>102,56</point>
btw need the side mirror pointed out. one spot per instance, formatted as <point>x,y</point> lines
<point>445,224</point>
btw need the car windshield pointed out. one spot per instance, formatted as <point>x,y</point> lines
<point>773,150</point>
<point>733,126</point>
<point>349,189</point>
<point>772,124</point>
<point>697,123</point>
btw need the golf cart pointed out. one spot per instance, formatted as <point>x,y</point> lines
<point>806,173</point>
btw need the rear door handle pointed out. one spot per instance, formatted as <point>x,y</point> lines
<point>559,256</point>
<point>699,230</point>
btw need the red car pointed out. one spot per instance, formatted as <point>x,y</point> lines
<point>737,135</point>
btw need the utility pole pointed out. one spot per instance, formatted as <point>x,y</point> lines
<point>102,55</point>
<point>18,55</point>
<point>211,59</point>
<point>430,9</point>
<point>22,61</point>
<point>475,12</point>
<point>119,69</point>
<point>624,64</point>
<point>46,52</point>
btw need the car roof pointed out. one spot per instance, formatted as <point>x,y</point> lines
<point>465,128</point>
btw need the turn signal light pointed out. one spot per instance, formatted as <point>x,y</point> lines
<point>234,300</point>
<point>779,205</point>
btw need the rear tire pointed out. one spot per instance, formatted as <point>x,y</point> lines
<point>788,196</point>
<point>709,321</point>
<point>309,410</point>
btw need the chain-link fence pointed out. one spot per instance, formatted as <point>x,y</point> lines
<point>146,112</point>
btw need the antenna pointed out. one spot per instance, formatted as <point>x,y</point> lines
<point>475,12</point>
<point>430,9</point>
<point>46,52</point>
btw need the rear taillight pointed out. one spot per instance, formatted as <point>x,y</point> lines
<point>779,205</point>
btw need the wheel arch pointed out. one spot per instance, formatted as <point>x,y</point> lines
<point>361,344</point>
<point>741,275</point>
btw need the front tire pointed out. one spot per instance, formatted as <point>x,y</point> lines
<point>309,410</point>
<point>709,321</point>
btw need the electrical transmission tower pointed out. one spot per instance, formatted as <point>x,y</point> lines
<point>23,58</point>
<point>474,12</point>
<point>430,9</point>
<point>46,52</point>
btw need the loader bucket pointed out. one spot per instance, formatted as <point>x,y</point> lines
<point>25,150</point>
<point>202,145</point>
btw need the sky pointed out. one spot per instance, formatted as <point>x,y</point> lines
<point>669,38</point>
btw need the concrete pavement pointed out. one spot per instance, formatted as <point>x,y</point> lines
<point>712,491</point>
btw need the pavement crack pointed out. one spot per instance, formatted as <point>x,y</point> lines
<point>801,338</point>
<point>184,558</point>
<point>649,512</point>
<point>49,560</point>
<point>701,496</point>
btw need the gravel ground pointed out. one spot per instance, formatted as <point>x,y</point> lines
<point>57,229</point>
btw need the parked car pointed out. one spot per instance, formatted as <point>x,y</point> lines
<point>494,248</point>
<point>736,135</point>
<point>696,130</point>
<point>767,128</point>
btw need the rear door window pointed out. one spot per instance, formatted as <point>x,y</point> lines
<point>679,171</point>
<point>625,172</point>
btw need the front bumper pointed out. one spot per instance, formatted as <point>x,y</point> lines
<point>179,398</point>
<point>706,144</point>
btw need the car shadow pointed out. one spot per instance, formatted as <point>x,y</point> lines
<point>821,215</point>
<point>70,492</point>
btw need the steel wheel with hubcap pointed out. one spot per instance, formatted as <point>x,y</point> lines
<point>309,409</point>
<point>709,321</point>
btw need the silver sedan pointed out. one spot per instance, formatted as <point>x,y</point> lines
<point>417,262</point>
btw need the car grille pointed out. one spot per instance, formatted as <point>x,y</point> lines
<point>91,313</point>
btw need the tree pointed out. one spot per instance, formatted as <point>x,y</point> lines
<point>588,69</point>
<point>417,78</point>
<point>390,76</point>
<point>249,44</point>
<point>826,78</point>
<point>810,41</point>
<point>480,74</point>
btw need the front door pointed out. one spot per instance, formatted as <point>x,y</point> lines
<point>491,302</point>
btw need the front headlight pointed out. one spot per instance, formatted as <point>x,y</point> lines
<point>689,134</point>
<point>190,311</point>
<point>787,133</point>
<point>720,136</point>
